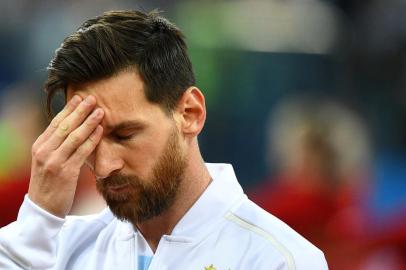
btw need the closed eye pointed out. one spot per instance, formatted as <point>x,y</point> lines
<point>126,130</point>
<point>119,137</point>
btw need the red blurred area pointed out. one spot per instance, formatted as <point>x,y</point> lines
<point>12,191</point>
<point>336,221</point>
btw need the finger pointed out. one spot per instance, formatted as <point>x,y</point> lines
<point>83,152</point>
<point>80,135</point>
<point>68,109</point>
<point>71,122</point>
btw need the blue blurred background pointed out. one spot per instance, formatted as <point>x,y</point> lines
<point>306,98</point>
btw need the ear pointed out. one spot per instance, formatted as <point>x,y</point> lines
<point>191,112</point>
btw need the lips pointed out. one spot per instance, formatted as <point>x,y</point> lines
<point>118,188</point>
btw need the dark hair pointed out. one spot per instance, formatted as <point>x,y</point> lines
<point>119,40</point>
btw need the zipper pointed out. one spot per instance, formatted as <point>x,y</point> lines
<point>134,258</point>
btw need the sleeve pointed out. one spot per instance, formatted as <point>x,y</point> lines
<point>31,241</point>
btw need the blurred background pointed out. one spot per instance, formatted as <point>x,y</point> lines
<point>306,98</point>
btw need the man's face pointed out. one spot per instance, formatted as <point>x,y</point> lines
<point>139,162</point>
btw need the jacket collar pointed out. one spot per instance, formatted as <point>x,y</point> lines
<point>208,211</point>
<point>222,193</point>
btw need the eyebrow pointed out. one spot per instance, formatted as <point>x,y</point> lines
<point>134,124</point>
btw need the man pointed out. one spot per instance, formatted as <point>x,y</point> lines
<point>133,115</point>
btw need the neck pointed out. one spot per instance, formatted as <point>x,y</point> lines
<point>195,181</point>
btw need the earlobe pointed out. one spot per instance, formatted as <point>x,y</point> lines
<point>192,111</point>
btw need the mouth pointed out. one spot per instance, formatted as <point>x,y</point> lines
<point>119,188</point>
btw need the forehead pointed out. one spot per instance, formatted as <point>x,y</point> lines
<point>121,97</point>
<point>124,90</point>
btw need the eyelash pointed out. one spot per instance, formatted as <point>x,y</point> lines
<point>123,138</point>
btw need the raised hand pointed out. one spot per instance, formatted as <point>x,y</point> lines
<point>59,153</point>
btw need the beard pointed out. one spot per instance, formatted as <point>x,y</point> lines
<point>142,199</point>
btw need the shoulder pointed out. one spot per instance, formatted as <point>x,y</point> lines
<point>275,237</point>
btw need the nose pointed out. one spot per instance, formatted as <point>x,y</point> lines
<point>105,160</point>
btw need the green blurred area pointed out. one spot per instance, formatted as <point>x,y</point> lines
<point>11,150</point>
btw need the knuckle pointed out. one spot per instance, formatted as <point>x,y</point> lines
<point>65,111</point>
<point>55,122</point>
<point>69,107</point>
<point>60,134</point>
<point>63,130</point>
<point>39,154</point>
<point>80,151</point>
<point>58,119</point>
<point>52,167</point>
<point>93,139</point>
<point>79,111</point>
<point>74,138</point>
<point>90,122</point>
<point>88,146</point>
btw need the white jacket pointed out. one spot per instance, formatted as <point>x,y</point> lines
<point>223,230</point>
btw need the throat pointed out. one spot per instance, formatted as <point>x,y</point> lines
<point>153,229</point>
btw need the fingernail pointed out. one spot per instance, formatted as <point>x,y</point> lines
<point>89,99</point>
<point>75,100</point>
<point>98,112</point>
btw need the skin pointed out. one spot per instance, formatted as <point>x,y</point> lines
<point>91,129</point>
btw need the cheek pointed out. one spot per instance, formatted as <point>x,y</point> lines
<point>143,154</point>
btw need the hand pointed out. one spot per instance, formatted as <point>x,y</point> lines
<point>59,153</point>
